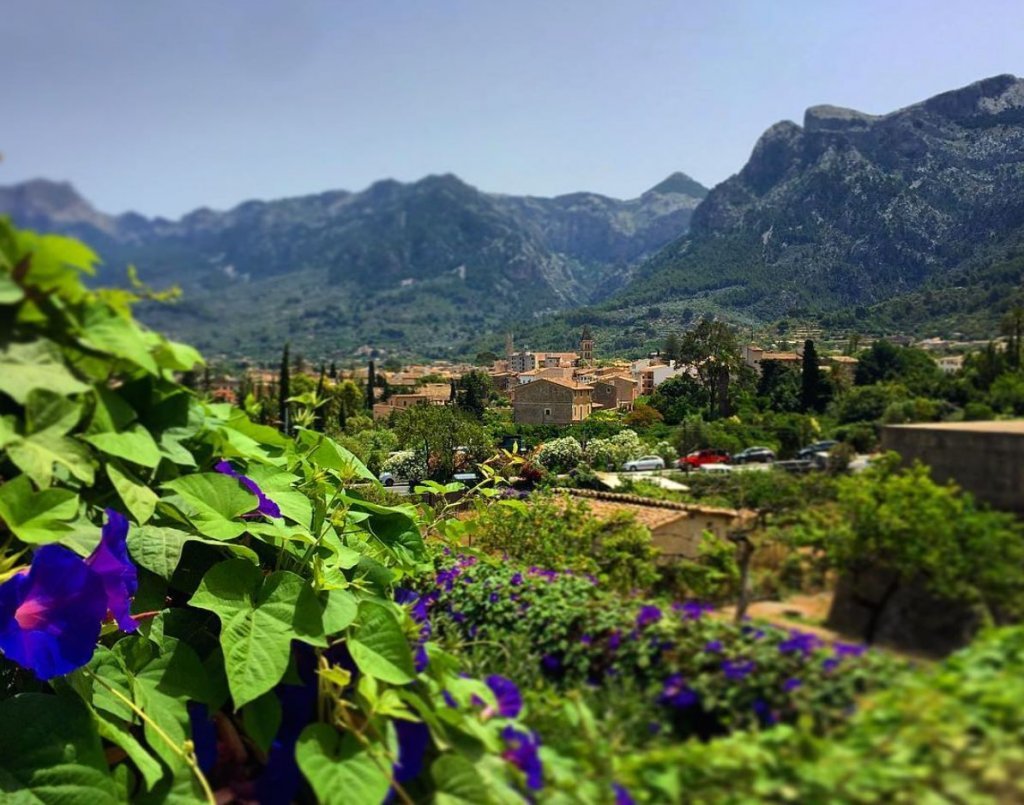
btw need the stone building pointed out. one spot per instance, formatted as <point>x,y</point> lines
<point>676,528</point>
<point>551,401</point>
<point>614,392</point>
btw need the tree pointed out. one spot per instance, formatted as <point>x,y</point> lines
<point>284,391</point>
<point>671,348</point>
<point>473,391</point>
<point>371,382</point>
<point>1012,327</point>
<point>905,524</point>
<point>677,398</point>
<point>810,380</point>
<point>779,387</point>
<point>643,416</point>
<point>711,349</point>
<point>443,434</point>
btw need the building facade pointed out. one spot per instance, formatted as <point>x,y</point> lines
<point>548,401</point>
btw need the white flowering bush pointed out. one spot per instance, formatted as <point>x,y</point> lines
<point>406,465</point>
<point>666,451</point>
<point>560,455</point>
<point>615,451</point>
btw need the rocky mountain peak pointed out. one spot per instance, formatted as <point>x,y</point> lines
<point>681,184</point>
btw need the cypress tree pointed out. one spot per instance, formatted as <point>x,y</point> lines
<point>319,421</point>
<point>371,381</point>
<point>810,379</point>
<point>284,392</point>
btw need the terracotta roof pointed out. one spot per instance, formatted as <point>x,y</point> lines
<point>780,356</point>
<point>634,501</point>
<point>571,384</point>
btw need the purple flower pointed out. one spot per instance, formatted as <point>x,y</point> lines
<point>50,617</point>
<point>829,665</point>
<point>693,610</point>
<point>120,577</point>
<point>735,671</point>
<point>677,693</point>
<point>791,684</point>
<point>521,751</point>
<point>713,646</point>
<point>614,641</point>
<point>764,713</point>
<point>421,660</point>
<point>510,702</point>
<point>445,578</point>
<point>551,663</point>
<point>849,649</point>
<point>752,632</point>
<point>413,740</point>
<point>449,699</point>
<point>586,640</point>
<point>458,617</point>
<point>266,506</point>
<point>647,615</point>
<point>802,642</point>
<point>622,796</point>
<point>494,598</point>
<point>516,579</point>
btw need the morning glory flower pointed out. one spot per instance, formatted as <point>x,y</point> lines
<point>735,671</point>
<point>119,576</point>
<point>50,616</point>
<point>516,579</point>
<point>791,684</point>
<point>510,702</point>
<point>647,615</point>
<point>693,610</point>
<point>622,796</point>
<point>802,642</point>
<point>677,693</point>
<point>521,752</point>
<point>764,713</point>
<point>413,741</point>
<point>849,649</point>
<point>829,665</point>
<point>266,505</point>
<point>713,646</point>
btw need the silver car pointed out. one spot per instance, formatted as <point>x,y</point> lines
<point>644,463</point>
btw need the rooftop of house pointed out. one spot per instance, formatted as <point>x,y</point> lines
<point>558,381</point>
<point>1013,427</point>
<point>651,512</point>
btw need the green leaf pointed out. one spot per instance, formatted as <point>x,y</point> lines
<point>48,411</point>
<point>328,453</point>
<point>339,769</point>
<point>457,781</point>
<point>50,752</point>
<point>340,611</point>
<point>379,646</point>
<point>135,444</point>
<point>36,365</point>
<point>36,517</point>
<point>118,733</point>
<point>214,501</point>
<point>118,336</point>
<point>10,291</point>
<point>259,619</point>
<point>262,719</point>
<point>138,498</point>
<point>158,549</point>
<point>35,455</point>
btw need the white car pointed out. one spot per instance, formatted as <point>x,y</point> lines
<point>644,463</point>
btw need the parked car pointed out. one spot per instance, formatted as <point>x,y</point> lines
<point>754,455</point>
<point>813,449</point>
<point>698,458</point>
<point>644,463</point>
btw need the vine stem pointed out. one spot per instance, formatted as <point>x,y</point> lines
<point>187,754</point>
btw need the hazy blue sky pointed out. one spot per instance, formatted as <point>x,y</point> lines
<point>165,105</point>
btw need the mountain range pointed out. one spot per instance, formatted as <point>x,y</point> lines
<point>910,221</point>
<point>426,267</point>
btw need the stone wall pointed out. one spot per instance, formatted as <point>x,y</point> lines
<point>985,458</point>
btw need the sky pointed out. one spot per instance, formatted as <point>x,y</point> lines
<point>163,106</point>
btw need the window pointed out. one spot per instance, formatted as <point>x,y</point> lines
<point>547,412</point>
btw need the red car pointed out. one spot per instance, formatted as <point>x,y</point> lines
<point>698,458</point>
